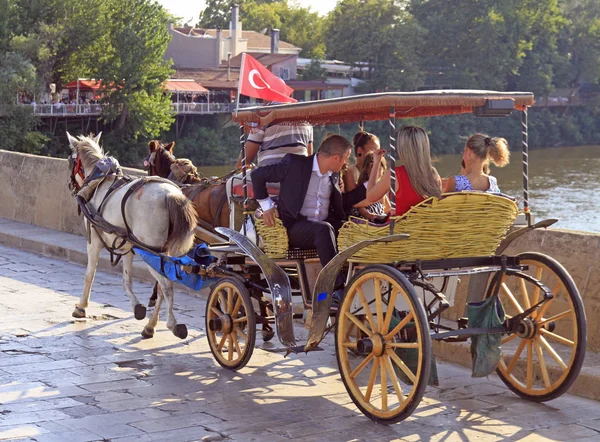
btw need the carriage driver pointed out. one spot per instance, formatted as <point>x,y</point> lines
<point>311,206</point>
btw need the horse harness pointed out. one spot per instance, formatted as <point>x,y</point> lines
<point>108,168</point>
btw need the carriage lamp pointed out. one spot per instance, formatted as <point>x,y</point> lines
<point>494,108</point>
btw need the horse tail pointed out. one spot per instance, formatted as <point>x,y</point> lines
<point>182,221</point>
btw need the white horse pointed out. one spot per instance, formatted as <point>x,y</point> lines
<point>157,214</point>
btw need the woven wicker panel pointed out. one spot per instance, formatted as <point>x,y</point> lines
<point>274,239</point>
<point>458,225</point>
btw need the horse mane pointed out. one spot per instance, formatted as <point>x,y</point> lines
<point>90,152</point>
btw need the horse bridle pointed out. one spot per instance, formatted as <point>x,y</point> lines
<point>77,177</point>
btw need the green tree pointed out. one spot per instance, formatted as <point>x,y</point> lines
<point>314,71</point>
<point>485,43</point>
<point>133,70</point>
<point>380,35</point>
<point>579,43</point>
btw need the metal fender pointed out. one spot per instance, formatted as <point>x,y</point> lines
<point>278,281</point>
<point>324,286</point>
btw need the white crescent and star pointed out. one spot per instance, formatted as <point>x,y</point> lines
<point>251,76</point>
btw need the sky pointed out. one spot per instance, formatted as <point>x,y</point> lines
<point>189,10</point>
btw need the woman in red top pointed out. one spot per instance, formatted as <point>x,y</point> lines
<point>416,179</point>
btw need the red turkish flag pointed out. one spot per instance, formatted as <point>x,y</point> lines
<point>258,82</point>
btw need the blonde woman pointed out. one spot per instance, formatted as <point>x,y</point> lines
<point>416,179</point>
<point>479,151</point>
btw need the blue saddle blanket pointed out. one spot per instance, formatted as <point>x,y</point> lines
<point>170,266</point>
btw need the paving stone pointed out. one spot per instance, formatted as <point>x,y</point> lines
<point>97,379</point>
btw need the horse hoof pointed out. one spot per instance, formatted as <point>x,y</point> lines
<point>147,333</point>
<point>267,335</point>
<point>151,302</point>
<point>180,331</point>
<point>139,311</point>
<point>78,312</point>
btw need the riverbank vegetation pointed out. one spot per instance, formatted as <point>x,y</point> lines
<point>549,47</point>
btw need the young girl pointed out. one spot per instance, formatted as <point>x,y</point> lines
<point>479,151</point>
<point>379,210</point>
<point>416,179</point>
<point>364,143</point>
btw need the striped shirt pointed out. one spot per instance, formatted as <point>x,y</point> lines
<point>277,140</point>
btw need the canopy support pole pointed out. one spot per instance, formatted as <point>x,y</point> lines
<point>244,176</point>
<point>392,159</point>
<point>525,167</point>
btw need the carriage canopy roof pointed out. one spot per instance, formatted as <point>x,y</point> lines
<point>377,107</point>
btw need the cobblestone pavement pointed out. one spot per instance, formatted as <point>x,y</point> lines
<point>85,380</point>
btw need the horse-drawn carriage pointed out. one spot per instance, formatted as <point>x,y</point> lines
<point>398,276</point>
<point>401,277</point>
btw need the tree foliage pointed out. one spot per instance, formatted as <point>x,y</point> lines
<point>380,35</point>
<point>132,68</point>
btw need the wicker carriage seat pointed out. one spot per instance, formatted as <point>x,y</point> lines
<point>275,242</point>
<point>457,225</point>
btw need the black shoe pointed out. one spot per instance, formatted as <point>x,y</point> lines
<point>336,299</point>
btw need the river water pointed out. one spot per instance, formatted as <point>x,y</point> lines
<point>563,183</point>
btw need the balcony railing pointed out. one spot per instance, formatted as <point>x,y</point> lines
<point>88,110</point>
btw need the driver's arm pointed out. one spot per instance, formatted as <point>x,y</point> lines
<point>251,150</point>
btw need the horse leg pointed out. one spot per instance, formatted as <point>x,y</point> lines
<point>152,300</point>
<point>166,292</point>
<point>93,250</point>
<point>139,310</point>
<point>148,331</point>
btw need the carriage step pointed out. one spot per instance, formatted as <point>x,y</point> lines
<point>456,339</point>
<point>462,322</point>
<point>300,349</point>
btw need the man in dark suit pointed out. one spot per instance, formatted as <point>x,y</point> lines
<point>311,206</point>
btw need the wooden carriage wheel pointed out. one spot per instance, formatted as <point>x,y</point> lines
<point>387,372</point>
<point>542,361</point>
<point>230,323</point>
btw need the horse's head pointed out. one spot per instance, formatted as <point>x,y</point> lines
<point>85,151</point>
<point>160,157</point>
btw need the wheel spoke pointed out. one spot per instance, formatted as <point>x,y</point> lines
<point>349,332</point>
<point>384,401</point>
<point>555,317</point>
<point>558,338</point>
<point>237,305</point>
<point>524,293</point>
<point>400,363</point>
<point>543,369</point>
<point>515,358</point>
<point>529,363</point>
<point>216,311</point>
<point>552,352</point>
<point>399,327</point>
<point>366,307</point>
<point>230,348</point>
<point>221,343</point>
<point>390,311</point>
<point>222,302</point>
<point>509,338</point>
<point>360,366</point>
<point>372,378</point>
<point>358,323</point>
<point>238,349</point>
<point>512,298</point>
<point>241,333</point>
<point>402,345</point>
<point>239,320</point>
<point>378,304</point>
<point>397,387</point>
<point>229,300</point>
<point>351,345</point>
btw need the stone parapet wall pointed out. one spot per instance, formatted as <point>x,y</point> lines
<point>34,190</point>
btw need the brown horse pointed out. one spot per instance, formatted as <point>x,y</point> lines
<point>208,196</point>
